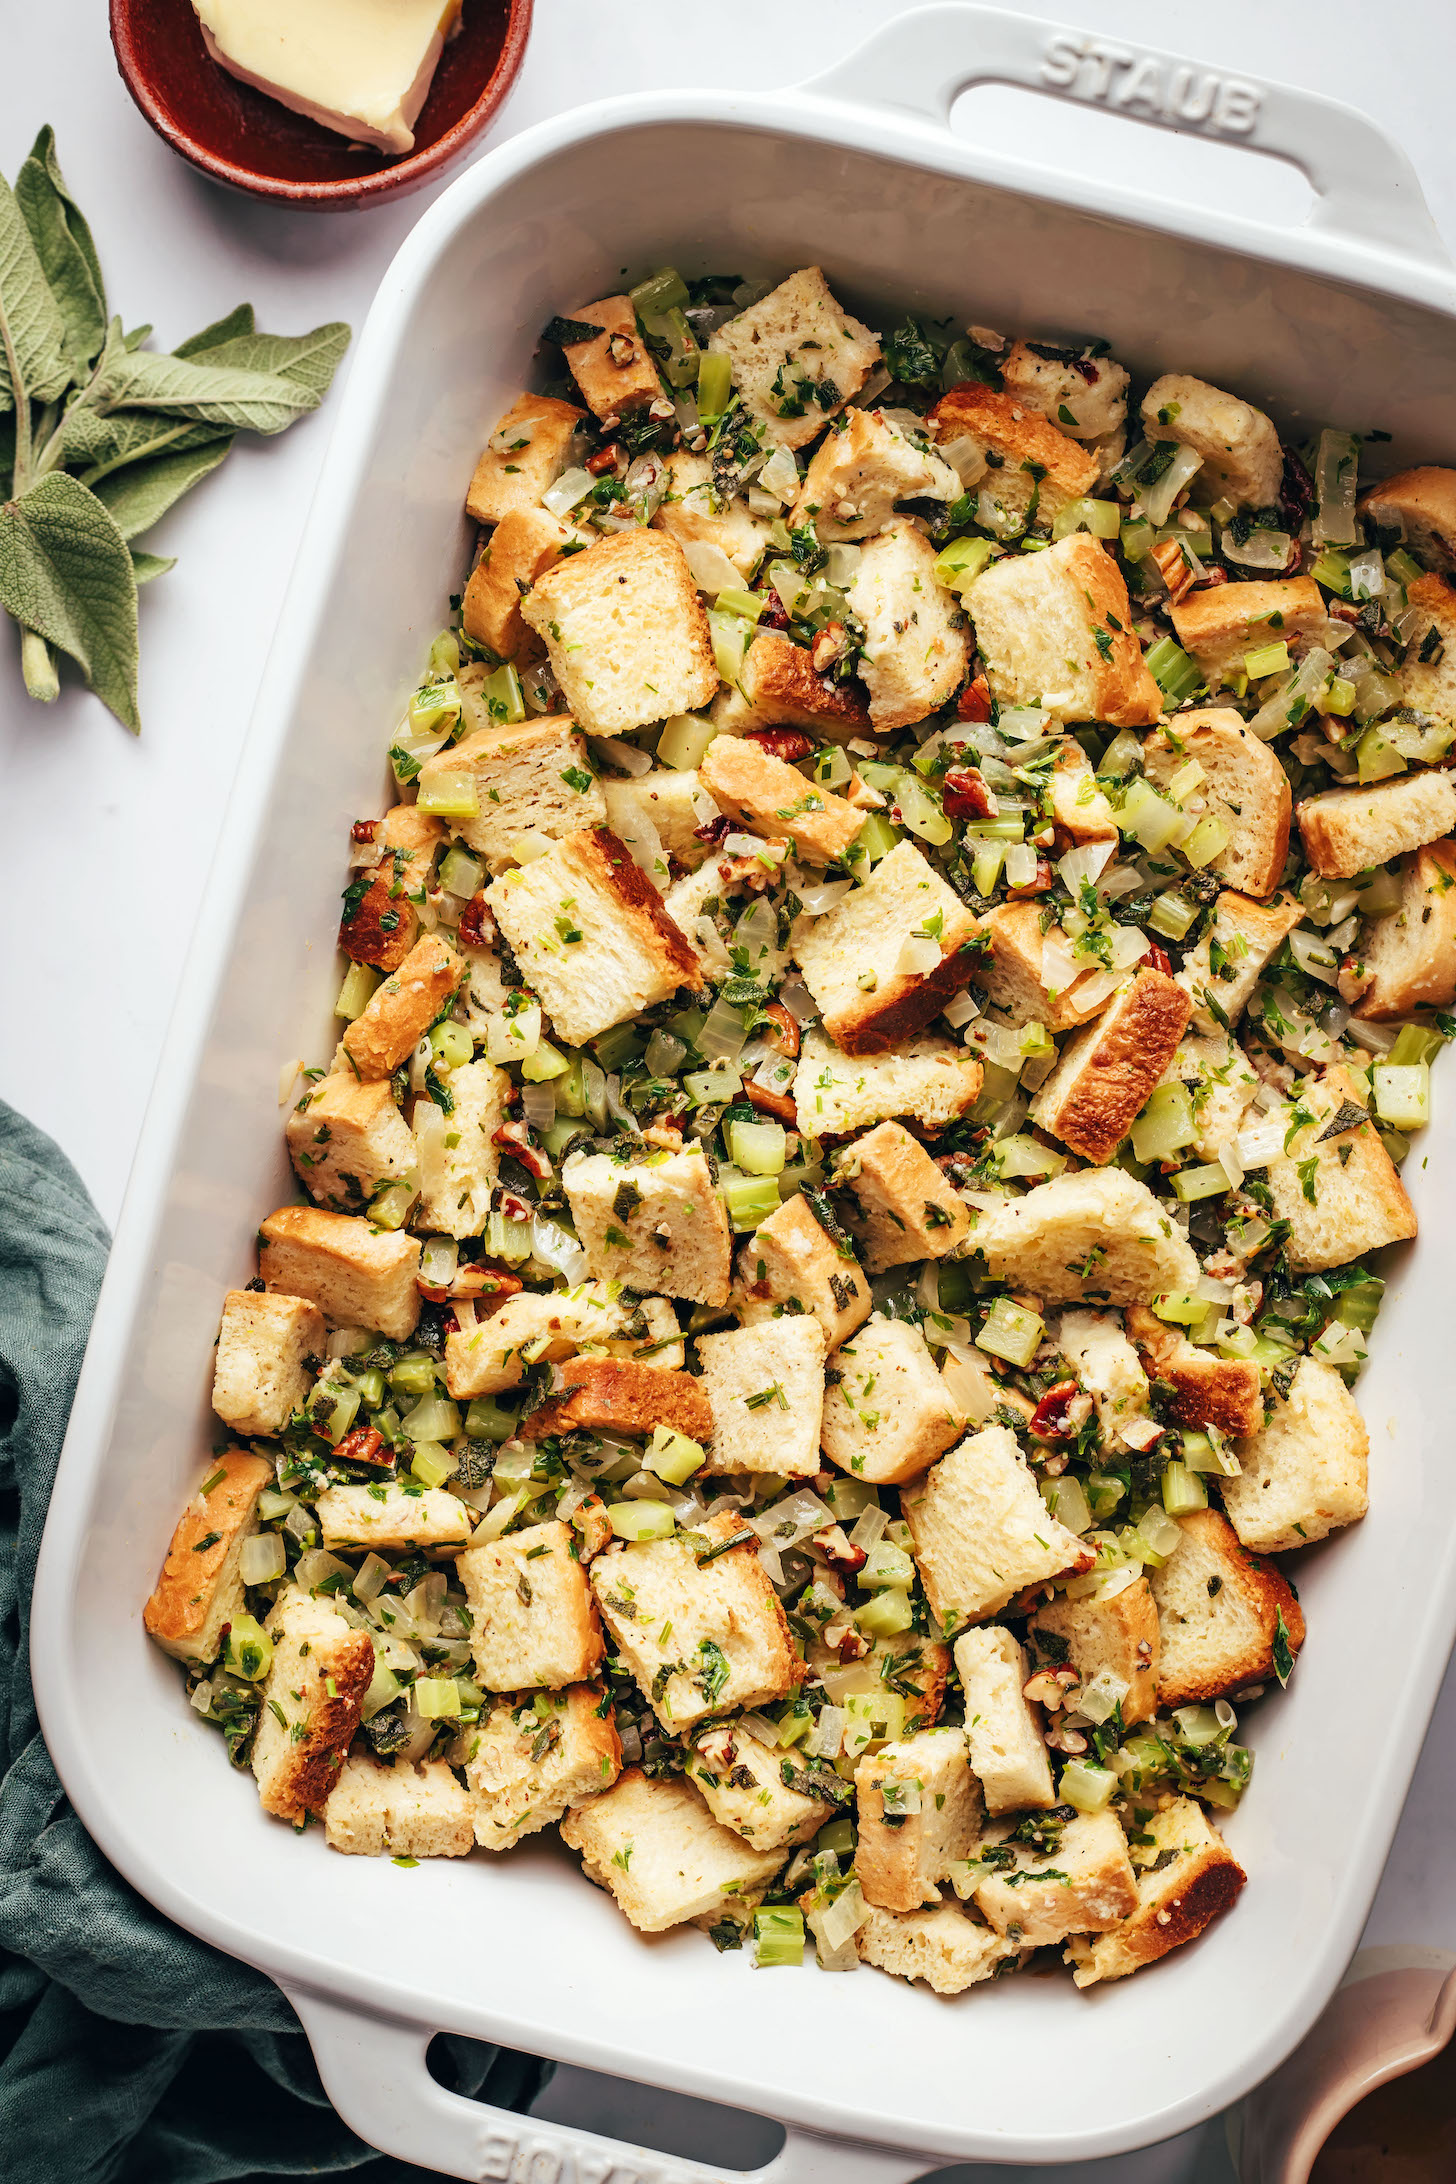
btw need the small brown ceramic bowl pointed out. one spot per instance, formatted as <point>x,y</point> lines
<point>242,138</point>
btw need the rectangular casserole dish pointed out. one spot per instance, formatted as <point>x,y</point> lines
<point>1348,319</point>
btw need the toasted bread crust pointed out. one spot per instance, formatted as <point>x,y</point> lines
<point>615,1393</point>
<point>401,1011</point>
<point>1263,1590</point>
<point>637,895</point>
<point>383,925</point>
<point>1346,830</point>
<point>1424,499</point>
<point>780,684</point>
<point>1092,1107</point>
<point>888,1022</point>
<point>1012,427</point>
<point>1207,1390</point>
<point>1244,776</point>
<point>1198,1888</point>
<point>610,387</point>
<point>315,1762</point>
<point>1233,617</point>
<point>761,791</point>
<point>182,1600</point>
<point>1009,972</point>
<point>538,429</point>
<point>1412,957</point>
<point>524,543</point>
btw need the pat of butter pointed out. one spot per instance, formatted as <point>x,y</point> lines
<point>361,67</point>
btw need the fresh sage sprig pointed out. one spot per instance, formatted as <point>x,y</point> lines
<point>99,436</point>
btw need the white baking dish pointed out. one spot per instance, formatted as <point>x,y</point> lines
<point>1349,318</point>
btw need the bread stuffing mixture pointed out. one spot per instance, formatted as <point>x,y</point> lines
<point>832,1253</point>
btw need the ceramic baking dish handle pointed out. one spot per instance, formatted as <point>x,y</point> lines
<point>373,2070</point>
<point>1365,188</point>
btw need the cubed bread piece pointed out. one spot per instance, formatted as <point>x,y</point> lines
<point>1207,1390</point>
<point>1352,1201</point>
<point>1116,1635</point>
<point>1055,630</point>
<point>590,935</point>
<point>1009,971</point>
<point>797,358</point>
<point>381,924</point>
<point>1087,395</point>
<point>982,1532</point>
<point>904,1208</point>
<point>1081,811</point>
<point>534,1757</point>
<point>535,1622</point>
<point>1035,469</point>
<point>765,1386</point>
<point>410,1811</point>
<point>1244,788</point>
<point>791,1266</point>
<point>1221,973</point>
<point>200,1591</point>
<point>1186,1877</point>
<point>658,1850</point>
<point>1428,676</point>
<point>268,1349</point>
<point>916,643</point>
<point>1220,625</point>
<point>1242,459</point>
<point>1101,1237</point>
<point>656,1224</point>
<point>357,1275</point>
<point>625,632</point>
<point>525,454</point>
<point>942,1946</point>
<point>1008,1753</point>
<point>320,1672</point>
<point>919,1813</point>
<point>1345,831</point>
<point>692,513</point>
<point>1085,1886</point>
<point>1221,1083</point>
<point>928,1079</point>
<point>1420,505</point>
<point>862,960</point>
<point>1107,1365</point>
<point>887,1415</point>
<point>673,802</point>
<point>861,467</point>
<point>1226,1618</point>
<point>774,798</point>
<point>534,778</point>
<point>535,1324</point>
<point>1304,1474</point>
<point>746,1787</point>
<point>778,688</point>
<point>456,1199</point>
<point>614,1395</point>
<point>653,1337</point>
<point>521,548</point>
<point>614,369</point>
<point>402,1008</point>
<point>346,1137</point>
<point>1104,1074</point>
<point>391,1516</point>
<point>1409,959</point>
<point>702,1638</point>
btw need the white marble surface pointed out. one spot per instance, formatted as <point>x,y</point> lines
<point>108,841</point>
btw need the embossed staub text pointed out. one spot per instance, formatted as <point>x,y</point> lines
<point>1180,92</point>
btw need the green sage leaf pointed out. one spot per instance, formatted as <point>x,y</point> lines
<point>31,327</point>
<point>96,445</point>
<point>240,321</point>
<point>140,495</point>
<point>65,573</point>
<point>66,252</point>
<point>210,393</point>
<point>309,359</point>
<point>146,566</point>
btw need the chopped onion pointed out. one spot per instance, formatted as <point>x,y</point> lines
<point>438,1261</point>
<point>1022,723</point>
<point>1059,966</point>
<point>1315,957</point>
<point>966,456</point>
<point>618,752</point>
<point>721,1038</point>
<point>572,486</point>
<point>348,1341</point>
<point>556,1246</point>
<point>1020,864</point>
<point>1157,500</point>
<point>421,1059</point>
<point>773,1569</point>
<point>961,1009</point>
<point>842,1919</point>
<point>1275,714</point>
<point>1375,1038</point>
<point>1093,988</point>
<point>1257,1147</point>
<point>710,568</point>
<point>1139,1432</point>
<point>780,475</point>
<point>1367,574</point>
<point>262,1559</point>
<point>1129,944</point>
<point>1260,550</point>
<point>1087,862</point>
<point>202,1695</point>
<point>372,1572</point>
<point>538,1105</point>
<point>798,1000</point>
<point>841,565</point>
<point>790,1520</point>
<point>1336,475</point>
<point>869,1527</point>
<point>823,896</point>
<point>917,958</point>
<point>513,1038</point>
<point>1227,1156</point>
<point>314,1565</point>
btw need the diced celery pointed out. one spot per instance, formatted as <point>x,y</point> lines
<point>1376,758</point>
<point>1177,1307</point>
<point>750,1199</point>
<point>1267,660</point>
<point>1165,1125</point>
<point>437,1697</point>
<point>385,1688</point>
<point>451,1044</point>
<point>1183,1490</point>
<point>445,653</point>
<point>673,1456</point>
<point>1123,756</point>
<point>272,1505</point>
<point>1175,674</point>
<point>831,767</point>
<point>886,1616</point>
<point>1172,916</point>
<point>1103,518</point>
<point>343,1414</point>
<point>921,812</point>
<point>641,1520</point>
<point>872,1717</point>
<point>487,1420</point>
<point>715,384</point>
<point>960,563</point>
<point>1403,1094</point>
<point>876,838</point>
<point>452,793</point>
<point>1403,567</point>
<point>730,634</point>
<point>1104,1491</point>
<point>1190,776</point>
<point>887,1565</point>
<point>1137,539</point>
<point>433,707</point>
<point>1011,1332</point>
<point>389,1207</point>
<point>986,866</point>
<point>1148,817</point>
<point>249,1650</point>
<point>778,1937</point>
<point>1382,897</point>
<point>757,1147</point>
<point>1024,1156</point>
<point>1193,1183</point>
<point>359,984</point>
<point>662,291</point>
<point>1339,697</point>
<point>546,1066</point>
<point>413,1374</point>
<point>430,1464</point>
<point>684,740</point>
<point>1207,840</point>
<point>1068,1503</point>
<point>502,694</point>
<point>618,1044</point>
<point>1332,569</point>
<point>1414,1043</point>
<point>1358,1305</point>
<point>433,1418</point>
<point>1086,1787</point>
